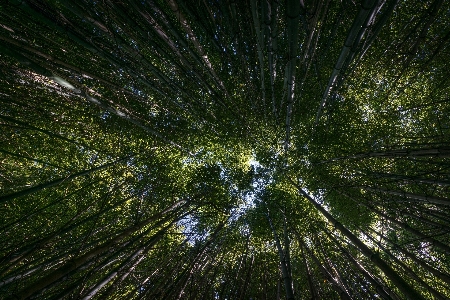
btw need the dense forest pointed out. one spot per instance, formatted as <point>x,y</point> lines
<point>224,149</point>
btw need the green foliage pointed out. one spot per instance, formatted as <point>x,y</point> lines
<point>196,149</point>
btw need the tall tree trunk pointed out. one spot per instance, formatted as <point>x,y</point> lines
<point>77,262</point>
<point>293,10</point>
<point>408,270</point>
<point>401,284</point>
<point>283,263</point>
<point>405,226</point>
<point>410,178</point>
<point>383,290</point>
<point>202,252</point>
<point>58,181</point>
<point>29,249</point>
<point>337,286</point>
<point>438,274</point>
<point>247,278</point>
<point>312,288</point>
<point>141,251</point>
<point>355,33</point>
<point>426,199</point>
<point>441,151</point>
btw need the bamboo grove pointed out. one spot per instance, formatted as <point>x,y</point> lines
<point>209,149</point>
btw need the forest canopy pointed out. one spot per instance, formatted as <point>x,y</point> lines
<point>209,149</point>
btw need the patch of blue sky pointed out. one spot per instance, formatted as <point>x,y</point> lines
<point>189,225</point>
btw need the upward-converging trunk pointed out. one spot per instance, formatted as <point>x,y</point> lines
<point>284,262</point>
<point>73,264</point>
<point>336,284</point>
<point>312,288</point>
<point>139,252</point>
<point>259,45</point>
<point>354,36</point>
<point>405,226</point>
<point>409,179</point>
<point>398,281</point>
<point>436,273</point>
<point>28,249</point>
<point>409,271</point>
<point>194,264</point>
<point>411,196</point>
<point>383,290</point>
<point>293,17</point>
<point>58,181</point>
<point>441,152</point>
<point>270,16</point>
